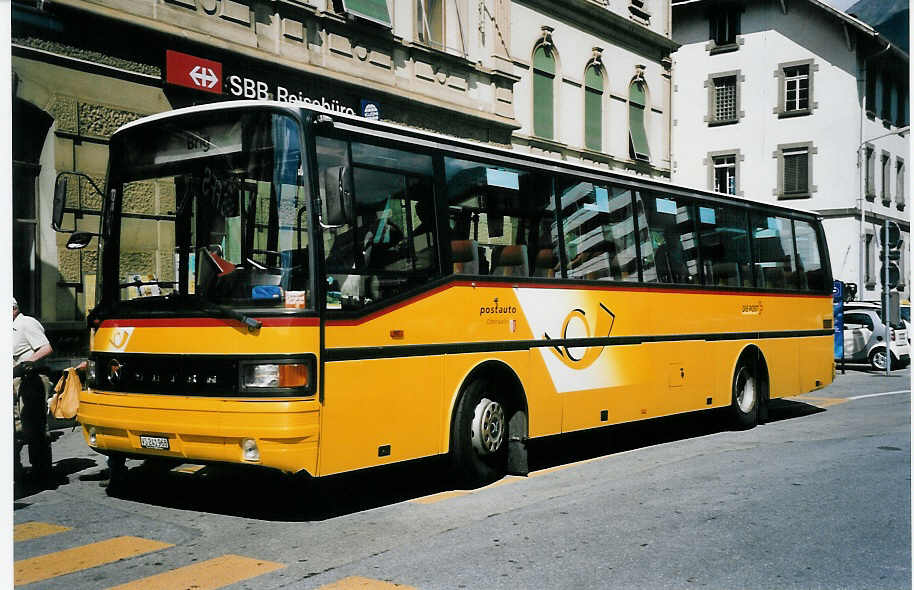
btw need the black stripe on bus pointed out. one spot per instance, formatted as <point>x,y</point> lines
<point>378,352</point>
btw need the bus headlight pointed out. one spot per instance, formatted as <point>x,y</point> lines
<point>295,377</point>
<point>250,450</point>
<point>90,373</point>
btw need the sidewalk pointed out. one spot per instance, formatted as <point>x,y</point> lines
<point>858,379</point>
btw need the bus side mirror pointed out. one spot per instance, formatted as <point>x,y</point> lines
<point>79,240</point>
<point>60,198</point>
<point>60,201</point>
<point>338,196</point>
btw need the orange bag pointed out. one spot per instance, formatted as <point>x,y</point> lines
<point>65,401</point>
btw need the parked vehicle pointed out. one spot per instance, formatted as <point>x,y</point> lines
<point>864,337</point>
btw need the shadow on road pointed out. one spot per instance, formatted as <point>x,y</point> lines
<point>251,492</point>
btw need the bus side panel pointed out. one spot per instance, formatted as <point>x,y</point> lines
<point>380,411</point>
<point>816,364</point>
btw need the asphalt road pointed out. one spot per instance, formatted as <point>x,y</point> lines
<point>818,497</point>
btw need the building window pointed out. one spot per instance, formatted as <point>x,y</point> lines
<point>430,22</point>
<point>886,114</point>
<point>723,98</point>
<point>373,10</point>
<point>637,107</point>
<point>886,182</point>
<point>639,11</point>
<point>725,174</point>
<point>543,91</point>
<point>795,88</point>
<point>593,108</point>
<point>795,170</point>
<point>901,104</point>
<point>868,263</point>
<point>899,184</point>
<point>869,171</point>
<point>871,74</point>
<point>724,25</point>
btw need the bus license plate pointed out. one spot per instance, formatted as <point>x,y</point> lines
<point>154,442</point>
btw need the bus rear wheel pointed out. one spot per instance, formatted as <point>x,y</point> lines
<point>746,393</point>
<point>479,439</point>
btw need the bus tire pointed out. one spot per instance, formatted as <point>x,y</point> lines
<point>744,407</point>
<point>479,438</point>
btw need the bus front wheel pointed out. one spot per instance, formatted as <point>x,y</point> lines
<point>746,392</point>
<point>479,439</point>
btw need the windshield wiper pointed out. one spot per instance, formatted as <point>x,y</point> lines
<point>217,310</point>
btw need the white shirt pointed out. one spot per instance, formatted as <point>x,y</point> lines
<point>28,336</point>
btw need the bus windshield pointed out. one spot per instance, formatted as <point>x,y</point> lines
<point>209,209</point>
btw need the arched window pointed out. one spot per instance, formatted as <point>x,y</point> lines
<point>593,108</point>
<point>543,91</point>
<point>637,105</point>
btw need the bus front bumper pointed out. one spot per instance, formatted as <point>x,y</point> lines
<point>284,433</point>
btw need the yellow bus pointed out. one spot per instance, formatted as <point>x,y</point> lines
<point>319,293</point>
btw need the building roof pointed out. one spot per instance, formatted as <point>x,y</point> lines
<point>841,16</point>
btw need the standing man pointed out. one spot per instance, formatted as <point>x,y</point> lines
<point>30,345</point>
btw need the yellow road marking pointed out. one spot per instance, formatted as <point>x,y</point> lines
<point>188,468</point>
<point>206,575</point>
<point>33,530</point>
<point>358,583</point>
<point>431,499</point>
<point>72,560</point>
<point>821,402</point>
<point>440,496</point>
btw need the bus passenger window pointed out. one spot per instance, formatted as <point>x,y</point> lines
<point>505,216</point>
<point>599,231</point>
<point>724,245</point>
<point>668,249</point>
<point>773,244</point>
<point>388,245</point>
<point>809,256</point>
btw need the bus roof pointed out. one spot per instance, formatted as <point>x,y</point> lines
<point>447,141</point>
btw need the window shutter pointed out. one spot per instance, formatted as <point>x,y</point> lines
<point>593,108</point>
<point>796,171</point>
<point>374,10</point>
<point>637,132</point>
<point>543,92</point>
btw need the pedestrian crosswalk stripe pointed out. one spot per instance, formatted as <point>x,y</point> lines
<point>206,575</point>
<point>43,567</point>
<point>33,530</point>
<point>357,583</point>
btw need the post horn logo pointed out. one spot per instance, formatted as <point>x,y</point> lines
<point>570,354</point>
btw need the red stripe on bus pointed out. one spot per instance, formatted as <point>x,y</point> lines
<point>204,322</point>
<point>635,289</point>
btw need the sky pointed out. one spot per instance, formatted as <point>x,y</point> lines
<point>840,4</point>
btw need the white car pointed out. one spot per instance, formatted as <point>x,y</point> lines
<point>864,338</point>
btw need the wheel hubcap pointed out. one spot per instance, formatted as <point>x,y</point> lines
<point>879,360</point>
<point>488,428</point>
<point>745,393</point>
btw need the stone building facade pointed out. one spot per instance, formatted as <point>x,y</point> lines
<point>797,103</point>
<point>82,68</point>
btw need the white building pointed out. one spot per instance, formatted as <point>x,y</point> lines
<point>775,101</point>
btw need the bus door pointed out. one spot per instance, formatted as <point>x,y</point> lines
<point>383,385</point>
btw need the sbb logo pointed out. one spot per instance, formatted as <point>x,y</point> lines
<point>193,72</point>
<point>248,88</point>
